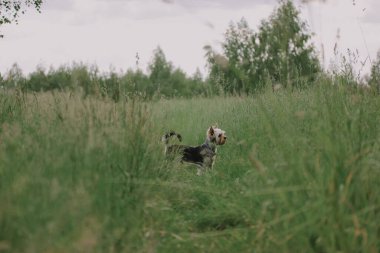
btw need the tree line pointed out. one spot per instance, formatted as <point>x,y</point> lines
<point>279,53</point>
<point>161,80</point>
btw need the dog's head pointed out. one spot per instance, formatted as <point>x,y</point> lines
<point>216,135</point>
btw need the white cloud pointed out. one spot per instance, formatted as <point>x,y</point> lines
<point>58,5</point>
<point>110,32</point>
<point>371,12</point>
<point>223,4</point>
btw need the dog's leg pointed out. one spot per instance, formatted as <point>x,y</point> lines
<point>200,171</point>
<point>213,162</point>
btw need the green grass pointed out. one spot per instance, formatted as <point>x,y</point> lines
<point>299,173</point>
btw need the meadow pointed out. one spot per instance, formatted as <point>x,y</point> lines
<point>299,173</point>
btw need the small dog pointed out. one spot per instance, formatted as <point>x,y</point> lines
<point>204,155</point>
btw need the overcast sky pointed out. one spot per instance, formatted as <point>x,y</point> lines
<point>109,33</point>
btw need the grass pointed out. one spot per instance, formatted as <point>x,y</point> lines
<point>300,173</point>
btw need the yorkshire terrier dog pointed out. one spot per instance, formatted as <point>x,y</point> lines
<point>204,155</point>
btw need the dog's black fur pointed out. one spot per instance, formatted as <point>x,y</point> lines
<point>200,155</point>
<point>203,155</point>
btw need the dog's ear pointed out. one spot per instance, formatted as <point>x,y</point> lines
<point>211,131</point>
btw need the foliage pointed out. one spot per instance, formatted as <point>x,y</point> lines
<point>10,10</point>
<point>280,52</point>
<point>82,170</point>
<point>14,78</point>
<point>168,81</point>
<point>299,173</point>
<point>162,80</point>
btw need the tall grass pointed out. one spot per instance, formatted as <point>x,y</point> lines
<point>300,173</point>
<point>67,172</point>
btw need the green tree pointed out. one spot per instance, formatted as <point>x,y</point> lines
<point>239,48</point>
<point>280,52</point>
<point>136,83</point>
<point>218,67</point>
<point>10,10</point>
<point>285,49</point>
<point>82,79</point>
<point>60,78</point>
<point>159,71</point>
<point>169,81</point>
<point>14,78</point>
<point>198,85</point>
<point>38,80</point>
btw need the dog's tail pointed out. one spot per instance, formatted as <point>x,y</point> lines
<point>165,138</point>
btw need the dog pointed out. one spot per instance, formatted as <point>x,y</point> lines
<point>204,155</point>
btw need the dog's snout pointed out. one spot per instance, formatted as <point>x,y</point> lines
<point>225,137</point>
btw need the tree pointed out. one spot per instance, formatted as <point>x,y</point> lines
<point>14,78</point>
<point>11,9</point>
<point>38,80</point>
<point>136,84</point>
<point>197,84</point>
<point>232,69</point>
<point>285,48</point>
<point>280,52</point>
<point>159,68</point>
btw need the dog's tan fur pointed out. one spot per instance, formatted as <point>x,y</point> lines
<point>204,155</point>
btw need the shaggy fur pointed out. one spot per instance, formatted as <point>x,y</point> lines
<point>204,155</point>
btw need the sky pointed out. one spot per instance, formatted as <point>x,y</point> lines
<point>109,33</point>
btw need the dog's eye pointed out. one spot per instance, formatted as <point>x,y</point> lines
<point>219,135</point>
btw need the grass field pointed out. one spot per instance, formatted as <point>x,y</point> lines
<point>300,173</point>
